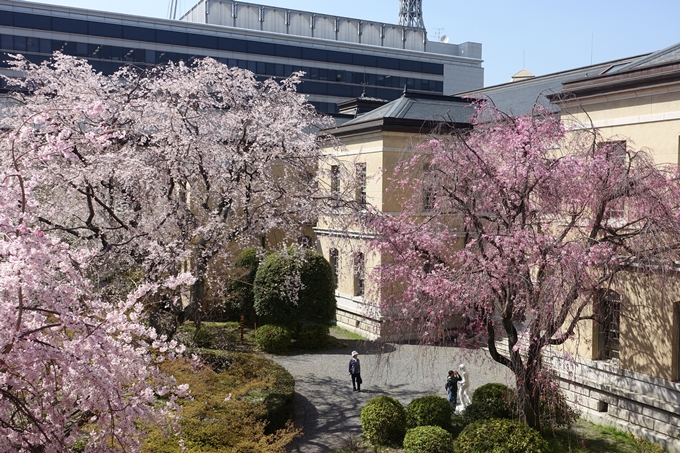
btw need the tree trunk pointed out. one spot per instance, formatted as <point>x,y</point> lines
<point>531,385</point>
<point>197,295</point>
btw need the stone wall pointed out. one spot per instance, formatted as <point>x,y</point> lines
<point>607,394</point>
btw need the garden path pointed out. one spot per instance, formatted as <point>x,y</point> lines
<point>329,411</point>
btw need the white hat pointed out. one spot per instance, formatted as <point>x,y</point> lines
<point>462,365</point>
<point>354,353</point>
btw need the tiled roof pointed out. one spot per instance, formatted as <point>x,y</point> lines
<point>419,107</point>
<point>664,56</point>
<point>519,98</point>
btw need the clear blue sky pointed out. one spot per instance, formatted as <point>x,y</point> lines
<point>545,36</point>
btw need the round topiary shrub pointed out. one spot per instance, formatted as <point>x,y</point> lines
<point>500,436</point>
<point>428,439</point>
<point>492,393</point>
<point>479,411</point>
<point>272,338</point>
<point>383,421</point>
<point>294,286</point>
<point>495,400</point>
<point>313,337</point>
<point>431,410</point>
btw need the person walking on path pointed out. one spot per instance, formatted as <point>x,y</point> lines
<point>452,387</point>
<point>355,371</point>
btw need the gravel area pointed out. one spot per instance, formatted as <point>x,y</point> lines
<point>329,411</point>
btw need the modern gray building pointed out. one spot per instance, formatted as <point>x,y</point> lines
<point>342,58</point>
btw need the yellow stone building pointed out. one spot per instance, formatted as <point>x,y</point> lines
<point>625,373</point>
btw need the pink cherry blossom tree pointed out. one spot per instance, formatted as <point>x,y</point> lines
<point>517,226</point>
<point>73,369</point>
<point>161,169</point>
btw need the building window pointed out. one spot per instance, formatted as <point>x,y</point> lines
<point>335,180</point>
<point>428,188</point>
<point>335,266</point>
<point>359,274</point>
<point>361,184</point>
<point>608,318</point>
<point>616,153</point>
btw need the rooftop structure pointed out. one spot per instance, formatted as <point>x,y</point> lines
<point>411,13</point>
<point>341,57</point>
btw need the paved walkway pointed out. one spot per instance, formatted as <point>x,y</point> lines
<point>329,411</point>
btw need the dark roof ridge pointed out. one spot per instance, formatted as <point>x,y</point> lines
<point>551,75</point>
<point>649,57</point>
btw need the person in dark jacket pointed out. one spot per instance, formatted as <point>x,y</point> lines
<point>452,387</point>
<point>355,371</point>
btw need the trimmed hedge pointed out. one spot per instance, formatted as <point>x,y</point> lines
<point>500,436</point>
<point>428,439</point>
<point>313,337</point>
<point>271,338</point>
<point>315,299</point>
<point>491,401</point>
<point>431,410</point>
<point>383,421</point>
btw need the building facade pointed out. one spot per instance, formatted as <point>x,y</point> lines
<point>338,66</point>
<point>624,370</point>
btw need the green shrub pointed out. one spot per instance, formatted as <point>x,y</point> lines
<point>203,338</point>
<point>428,439</point>
<point>490,401</point>
<point>271,338</point>
<point>500,436</point>
<point>480,411</point>
<point>279,397</point>
<point>494,393</point>
<point>313,337</point>
<point>383,421</point>
<point>275,285</point>
<point>431,410</point>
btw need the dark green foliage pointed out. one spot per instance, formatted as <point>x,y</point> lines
<point>431,410</point>
<point>480,411</point>
<point>500,436</point>
<point>279,397</point>
<point>428,439</point>
<point>317,299</point>
<point>313,337</point>
<point>271,338</point>
<point>383,421</point>
<point>241,295</point>
<point>315,302</point>
<point>493,393</point>
<point>491,401</point>
<point>203,338</point>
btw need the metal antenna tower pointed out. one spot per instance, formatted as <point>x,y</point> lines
<point>411,13</point>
